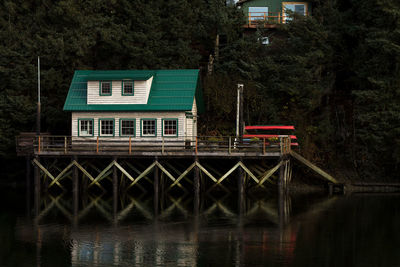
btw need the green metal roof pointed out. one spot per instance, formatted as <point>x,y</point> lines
<point>171,90</point>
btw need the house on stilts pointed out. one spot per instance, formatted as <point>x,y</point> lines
<point>145,105</point>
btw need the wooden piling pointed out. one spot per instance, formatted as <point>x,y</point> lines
<point>37,188</point>
<point>162,197</point>
<point>196,186</point>
<point>282,172</point>
<point>115,190</point>
<point>241,191</point>
<point>75,187</point>
<point>156,189</point>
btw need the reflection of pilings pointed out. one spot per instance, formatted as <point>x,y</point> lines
<point>38,247</point>
<point>284,208</point>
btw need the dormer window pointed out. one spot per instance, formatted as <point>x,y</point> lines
<point>105,88</point>
<point>127,87</point>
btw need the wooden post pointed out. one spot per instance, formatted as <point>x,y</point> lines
<point>230,144</point>
<point>115,190</point>
<point>196,145</point>
<point>130,145</point>
<point>281,181</point>
<point>156,189</point>
<point>162,183</point>
<point>162,146</point>
<point>28,185</point>
<point>75,188</point>
<point>97,145</point>
<point>37,188</point>
<point>196,185</point>
<point>39,146</point>
<point>241,191</point>
<point>84,186</point>
<point>65,145</point>
<point>264,146</point>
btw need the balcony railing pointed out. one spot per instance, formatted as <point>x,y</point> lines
<point>265,19</point>
<point>66,145</point>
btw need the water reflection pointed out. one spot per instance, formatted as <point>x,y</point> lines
<point>137,234</point>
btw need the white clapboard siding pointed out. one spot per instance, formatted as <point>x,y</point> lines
<point>141,93</point>
<point>194,108</point>
<point>129,115</point>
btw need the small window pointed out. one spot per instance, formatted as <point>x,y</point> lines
<point>127,127</point>
<point>105,88</point>
<point>106,127</point>
<point>127,87</point>
<point>85,127</point>
<point>148,127</point>
<point>298,8</point>
<point>170,127</point>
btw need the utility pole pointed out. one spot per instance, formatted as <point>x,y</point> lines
<point>38,103</point>
<point>239,111</point>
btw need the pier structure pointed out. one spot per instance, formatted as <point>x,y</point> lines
<point>199,166</point>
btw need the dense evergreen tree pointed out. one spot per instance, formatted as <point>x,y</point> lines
<point>334,75</point>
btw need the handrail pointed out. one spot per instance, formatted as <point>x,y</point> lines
<point>196,144</point>
<point>254,18</point>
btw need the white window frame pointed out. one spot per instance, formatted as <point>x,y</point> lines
<point>121,126</point>
<point>142,126</point>
<point>101,88</point>
<point>126,82</point>
<point>90,125</point>
<point>164,125</point>
<point>101,121</point>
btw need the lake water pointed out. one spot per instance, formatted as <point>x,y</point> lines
<point>305,230</point>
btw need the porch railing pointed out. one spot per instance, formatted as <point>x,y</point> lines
<point>264,18</point>
<point>166,145</point>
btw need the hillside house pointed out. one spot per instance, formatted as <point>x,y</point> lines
<point>272,12</point>
<point>141,104</point>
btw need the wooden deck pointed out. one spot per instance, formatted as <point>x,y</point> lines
<point>264,19</point>
<point>204,146</point>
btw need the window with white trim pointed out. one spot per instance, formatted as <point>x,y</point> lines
<point>127,127</point>
<point>127,87</point>
<point>85,127</point>
<point>105,88</point>
<point>170,127</point>
<point>106,127</point>
<point>148,127</point>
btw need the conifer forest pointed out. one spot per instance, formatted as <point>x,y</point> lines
<point>335,75</point>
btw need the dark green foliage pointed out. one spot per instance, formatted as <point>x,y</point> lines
<point>334,75</point>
